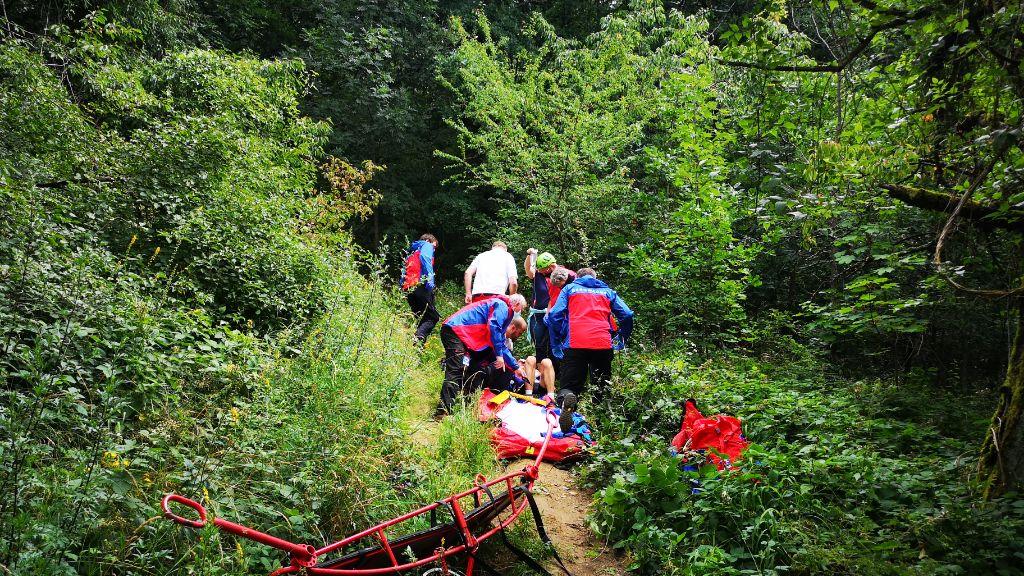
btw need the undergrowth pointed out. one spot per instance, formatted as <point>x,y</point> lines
<point>180,311</point>
<point>843,476</point>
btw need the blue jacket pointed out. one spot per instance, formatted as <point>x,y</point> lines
<point>581,318</point>
<point>419,266</point>
<point>481,325</point>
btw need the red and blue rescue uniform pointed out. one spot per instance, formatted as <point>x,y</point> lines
<point>418,283</point>
<point>582,318</point>
<point>583,330</point>
<point>471,336</point>
<point>481,325</point>
<point>419,266</point>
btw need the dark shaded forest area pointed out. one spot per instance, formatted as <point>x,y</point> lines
<point>814,208</point>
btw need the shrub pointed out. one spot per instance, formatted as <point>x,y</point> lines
<point>842,478</point>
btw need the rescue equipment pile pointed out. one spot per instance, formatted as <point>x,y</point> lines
<point>716,439</point>
<point>458,525</point>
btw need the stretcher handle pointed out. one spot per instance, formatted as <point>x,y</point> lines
<point>166,505</point>
<point>302,555</point>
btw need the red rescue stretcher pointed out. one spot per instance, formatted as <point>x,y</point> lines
<point>496,504</point>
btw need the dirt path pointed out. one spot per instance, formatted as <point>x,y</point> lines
<point>564,508</point>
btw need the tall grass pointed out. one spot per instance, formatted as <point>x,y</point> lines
<point>332,440</point>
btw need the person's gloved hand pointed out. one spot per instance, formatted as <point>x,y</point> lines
<point>548,398</point>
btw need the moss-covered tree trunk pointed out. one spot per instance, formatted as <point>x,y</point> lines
<point>1002,454</point>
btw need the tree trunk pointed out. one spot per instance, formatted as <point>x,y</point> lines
<point>1002,455</point>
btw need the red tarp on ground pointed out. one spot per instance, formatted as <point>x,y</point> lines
<point>509,444</point>
<point>715,435</point>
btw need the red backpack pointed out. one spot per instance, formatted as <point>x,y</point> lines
<point>413,269</point>
<point>411,272</point>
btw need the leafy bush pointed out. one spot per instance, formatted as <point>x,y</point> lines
<point>170,321</point>
<point>608,146</point>
<point>843,477</point>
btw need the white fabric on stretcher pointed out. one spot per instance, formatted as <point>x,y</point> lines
<point>526,419</point>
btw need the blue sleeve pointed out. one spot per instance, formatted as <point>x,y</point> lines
<point>557,321</point>
<point>498,323</point>
<point>624,316</point>
<point>427,264</point>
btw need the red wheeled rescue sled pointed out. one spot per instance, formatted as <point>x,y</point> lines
<point>473,516</point>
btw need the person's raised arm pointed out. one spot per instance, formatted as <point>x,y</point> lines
<point>530,263</point>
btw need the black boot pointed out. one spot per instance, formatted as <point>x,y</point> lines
<point>568,406</point>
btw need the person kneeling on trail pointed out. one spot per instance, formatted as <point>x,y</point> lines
<point>484,373</point>
<point>583,336</point>
<point>419,284</point>
<point>469,336</point>
<point>530,380</point>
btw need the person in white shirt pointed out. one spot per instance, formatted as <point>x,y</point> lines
<point>491,273</point>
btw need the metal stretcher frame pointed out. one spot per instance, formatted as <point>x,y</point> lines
<point>515,494</point>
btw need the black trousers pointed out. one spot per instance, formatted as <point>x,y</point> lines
<point>421,302</point>
<point>578,365</point>
<point>459,377</point>
<point>540,336</point>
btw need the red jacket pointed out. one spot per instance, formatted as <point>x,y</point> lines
<point>481,325</point>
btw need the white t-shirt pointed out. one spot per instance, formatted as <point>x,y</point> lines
<point>494,270</point>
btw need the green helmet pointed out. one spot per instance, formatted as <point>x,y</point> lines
<point>544,260</point>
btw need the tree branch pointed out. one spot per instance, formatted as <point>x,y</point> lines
<point>852,55</point>
<point>984,215</point>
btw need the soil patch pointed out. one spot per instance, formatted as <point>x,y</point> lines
<point>564,508</point>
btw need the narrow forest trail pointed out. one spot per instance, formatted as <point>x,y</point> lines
<point>563,505</point>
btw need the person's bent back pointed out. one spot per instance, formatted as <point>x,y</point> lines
<point>471,335</point>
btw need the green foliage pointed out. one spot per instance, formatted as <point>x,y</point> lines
<point>605,151</point>
<point>843,477</point>
<point>814,148</point>
<point>175,317</point>
<point>180,309</point>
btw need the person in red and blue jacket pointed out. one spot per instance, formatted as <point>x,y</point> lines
<point>418,282</point>
<point>470,336</point>
<point>587,323</point>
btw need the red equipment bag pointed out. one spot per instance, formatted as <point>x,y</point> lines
<point>719,437</point>
<point>511,444</point>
